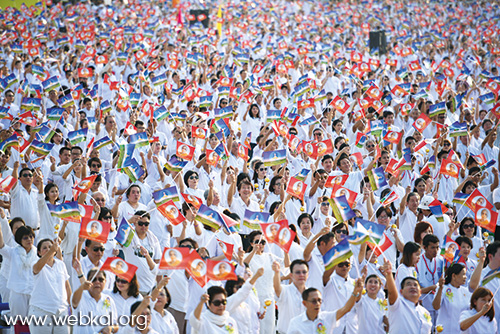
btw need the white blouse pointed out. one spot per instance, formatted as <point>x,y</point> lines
<point>481,326</point>
<point>453,302</point>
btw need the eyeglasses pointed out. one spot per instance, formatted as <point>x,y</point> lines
<point>98,249</point>
<point>143,223</point>
<point>299,272</point>
<point>344,264</point>
<point>219,302</point>
<point>95,166</point>
<point>107,217</point>
<point>468,226</point>
<point>100,279</point>
<point>193,177</point>
<point>341,232</point>
<point>121,281</point>
<point>186,246</point>
<point>316,301</point>
<point>27,175</point>
<point>262,242</point>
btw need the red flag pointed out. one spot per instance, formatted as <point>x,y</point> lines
<point>197,132</point>
<point>212,158</point>
<point>338,180</point>
<point>325,147</point>
<point>193,200</point>
<point>130,129</point>
<point>476,201</point>
<point>307,103</point>
<point>374,93</point>
<point>296,188</point>
<point>357,158</point>
<point>27,118</point>
<point>340,105</point>
<point>120,268</point>
<point>197,268</point>
<point>421,122</point>
<point>185,151</point>
<point>486,218</point>
<point>350,195</point>
<point>94,230</point>
<point>384,245</point>
<point>243,152</point>
<point>7,184</point>
<point>220,270</point>
<point>393,137</point>
<point>84,72</point>
<point>227,249</point>
<point>285,236</point>
<point>310,149</point>
<point>86,211</point>
<point>171,212</point>
<point>450,168</point>
<point>175,258</point>
<point>84,185</point>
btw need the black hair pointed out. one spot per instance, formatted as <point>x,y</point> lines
<point>305,215</point>
<point>455,268</point>
<point>23,231</point>
<point>430,238</point>
<point>307,292</point>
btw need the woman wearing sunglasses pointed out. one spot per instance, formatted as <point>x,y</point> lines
<point>90,298</point>
<point>468,228</point>
<point>215,319</point>
<point>124,294</point>
<point>258,258</point>
<point>192,180</point>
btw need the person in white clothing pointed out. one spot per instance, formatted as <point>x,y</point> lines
<point>453,301</point>
<point>215,320</point>
<point>480,318</point>
<point>405,314</point>
<point>51,289</point>
<point>371,309</point>
<point>313,320</point>
<point>411,255</point>
<point>289,296</point>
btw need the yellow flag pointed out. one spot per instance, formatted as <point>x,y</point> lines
<point>219,25</point>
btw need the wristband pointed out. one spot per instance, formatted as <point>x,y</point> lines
<point>356,295</point>
<point>80,276</point>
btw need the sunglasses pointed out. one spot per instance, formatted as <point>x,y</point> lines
<point>341,232</point>
<point>219,302</point>
<point>100,279</point>
<point>344,264</point>
<point>324,204</point>
<point>468,226</point>
<point>120,281</point>
<point>27,175</point>
<point>262,169</point>
<point>107,217</point>
<point>194,177</point>
<point>446,144</point>
<point>28,237</point>
<point>318,134</point>
<point>257,242</point>
<point>316,301</point>
<point>298,272</point>
<point>143,223</point>
<point>186,246</point>
<point>98,249</point>
<point>95,166</point>
<point>370,146</point>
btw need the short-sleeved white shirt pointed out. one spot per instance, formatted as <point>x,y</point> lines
<point>481,326</point>
<point>406,317</point>
<point>290,305</point>
<point>326,322</point>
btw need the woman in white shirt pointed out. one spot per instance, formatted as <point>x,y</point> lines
<point>125,294</point>
<point>162,320</point>
<point>127,209</point>
<point>48,223</point>
<point>215,320</point>
<point>411,255</point>
<point>73,175</point>
<point>251,123</point>
<point>305,223</point>
<point>51,288</point>
<point>20,277</point>
<point>480,318</point>
<point>453,301</point>
<point>372,311</point>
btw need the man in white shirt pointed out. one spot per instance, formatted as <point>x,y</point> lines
<point>315,321</point>
<point>24,202</point>
<point>144,252</point>
<point>290,296</point>
<point>405,314</point>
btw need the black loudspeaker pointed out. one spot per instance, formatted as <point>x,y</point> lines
<point>196,13</point>
<point>378,40</point>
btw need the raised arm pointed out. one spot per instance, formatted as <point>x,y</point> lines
<point>392,290</point>
<point>38,266</point>
<point>277,279</point>
<point>312,243</point>
<point>355,296</point>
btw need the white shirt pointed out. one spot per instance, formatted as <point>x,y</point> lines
<point>453,302</point>
<point>406,317</point>
<point>371,312</point>
<point>145,276</point>
<point>205,326</point>
<point>123,305</point>
<point>20,276</point>
<point>493,285</point>
<point>24,205</point>
<point>289,305</point>
<point>104,306</point>
<point>49,288</point>
<point>481,326</point>
<point>428,274</point>
<point>403,272</point>
<point>339,290</point>
<point>163,324</point>
<point>326,321</point>
<point>238,207</point>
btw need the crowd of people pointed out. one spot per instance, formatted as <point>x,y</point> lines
<point>269,139</point>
